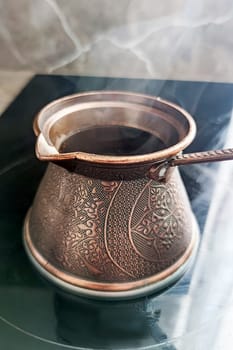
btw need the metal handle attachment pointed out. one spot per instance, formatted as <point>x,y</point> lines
<point>161,171</point>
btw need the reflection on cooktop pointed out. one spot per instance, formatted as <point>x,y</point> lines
<point>87,323</point>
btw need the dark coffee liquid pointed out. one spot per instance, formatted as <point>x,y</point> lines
<point>112,140</point>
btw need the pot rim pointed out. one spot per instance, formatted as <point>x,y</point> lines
<point>158,156</point>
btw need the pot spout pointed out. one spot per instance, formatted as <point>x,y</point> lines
<point>44,151</point>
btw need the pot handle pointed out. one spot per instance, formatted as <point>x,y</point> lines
<point>161,171</point>
<point>202,157</point>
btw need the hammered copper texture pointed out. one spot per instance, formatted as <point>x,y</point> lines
<point>110,231</point>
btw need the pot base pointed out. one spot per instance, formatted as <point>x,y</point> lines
<point>112,291</point>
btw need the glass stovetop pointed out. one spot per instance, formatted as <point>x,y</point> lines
<point>193,314</point>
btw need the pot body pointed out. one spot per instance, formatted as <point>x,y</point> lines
<point>107,224</point>
<point>106,236</point>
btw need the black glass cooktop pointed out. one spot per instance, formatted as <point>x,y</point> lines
<point>32,315</point>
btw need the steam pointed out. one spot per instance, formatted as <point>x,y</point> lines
<point>214,268</point>
<point>210,294</point>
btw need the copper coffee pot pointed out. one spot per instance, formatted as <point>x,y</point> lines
<point>113,225</point>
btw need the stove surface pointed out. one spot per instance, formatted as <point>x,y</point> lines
<point>189,315</point>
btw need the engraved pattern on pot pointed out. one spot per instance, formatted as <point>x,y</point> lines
<point>84,239</point>
<point>139,240</point>
<point>109,231</point>
<point>161,222</point>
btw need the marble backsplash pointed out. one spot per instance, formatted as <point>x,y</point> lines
<point>180,39</point>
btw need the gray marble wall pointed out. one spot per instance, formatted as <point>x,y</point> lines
<point>184,39</point>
